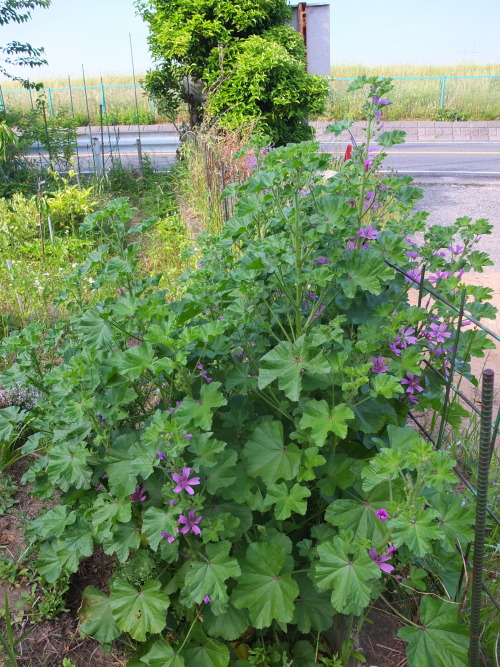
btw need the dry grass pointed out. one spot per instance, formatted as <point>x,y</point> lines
<point>475,98</point>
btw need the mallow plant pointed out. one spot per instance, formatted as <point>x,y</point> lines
<point>243,452</point>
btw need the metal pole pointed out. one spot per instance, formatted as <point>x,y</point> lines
<point>135,88</point>
<point>102,139</point>
<point>481,501</point>
<point>139,155</point>
<point>88,119</point>
<point>51,105</point>
<point>443,88</point>
<point>49,145</point>
<point>71,98</point>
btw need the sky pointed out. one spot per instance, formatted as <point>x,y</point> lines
<point>95,33</point>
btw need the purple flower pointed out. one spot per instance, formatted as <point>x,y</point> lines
<point>460,273</point>
<point>378,115</point>
<point>138,495</point>
<point>455,250</point>
<point>395,349</point>
<point>379,100</point>
<point>382,514</point>
<point>352,203</point>
<point>439,254</point>
<point>382,560</point>
<point>170,538</point>
<point>199,265</point>
<point>378,365</point>
<point>102,420</point>
<point>413,275</point>
<point>322,260</point>
<point>404,338</point>
<point>438,333</point>
<point>438,276</point>
<point>351,246</point>
<point>412,254</point>
<point>410,241</point>
<point>412,383</point>
<point>160,455</point>
<point>303,193</point>
<point>319,311</point>
<point>183,481</point>
<point>252,162</point>
<point>188,435</point>
<point>312,295</point>
<point>207,599</point>
<point>190,523</point>
<point>367,232</point>
<point>368,164</point>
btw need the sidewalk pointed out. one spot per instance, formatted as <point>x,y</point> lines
<point>421,130</point>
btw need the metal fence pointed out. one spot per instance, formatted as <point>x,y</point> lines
<point>118,101</point>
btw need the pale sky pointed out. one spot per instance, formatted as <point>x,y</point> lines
<point>95,33</point>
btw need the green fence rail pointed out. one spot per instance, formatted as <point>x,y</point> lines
<point>443,80</point>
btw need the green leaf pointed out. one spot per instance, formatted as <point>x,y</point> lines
<point>348,571</point>
<point>54,559</point>
<point>266,455</point>
<point>162,654</point>
<point>389,139</point>
<point>386,385</point>
<point>52,523</point>
<point>366,270</point>
<point>322,420</point>
<point>135,360</point>
<point>287,501</point>
<point>264,588</point>
<point>454,519</point>
<point>205,652</point>
<point>107,511</point>
<point>287,361</point>
<point>358,517</point>
<point>138,612</point>
<point>229,626</point>
<point>415,531</point>
<point>200,414</point>
<point>125,461</point>
<point>67,466</point>
<point>124,537</point>
<point>312,609</point>
<point>95,331</point>
<point>154,522</point>
<point>208,577</point>
<point>440,640</point>
<point>96,617</point>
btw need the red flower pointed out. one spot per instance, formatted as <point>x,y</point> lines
<point>348,152</point>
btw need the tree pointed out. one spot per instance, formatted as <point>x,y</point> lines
<point>17,53</point>
<point>238,59</point>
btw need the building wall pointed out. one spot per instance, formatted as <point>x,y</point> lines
<point>317,37</point>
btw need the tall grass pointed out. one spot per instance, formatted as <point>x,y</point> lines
<point>474,99</point>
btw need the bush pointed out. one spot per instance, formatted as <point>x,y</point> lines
<point>243,451</point>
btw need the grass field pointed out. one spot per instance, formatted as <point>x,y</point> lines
<point>465,99</point>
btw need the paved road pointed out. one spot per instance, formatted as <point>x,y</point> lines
<point>458,161</point>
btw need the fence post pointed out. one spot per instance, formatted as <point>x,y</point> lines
<point>443,88</point>
<point>2,103</point>
<point>481,501</point>
<point>51,104</point>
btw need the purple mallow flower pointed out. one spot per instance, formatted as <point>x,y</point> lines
<point>139,494</point>
<point>160,455</point>
<point>382,514</point>
<point>183,482</point>
<point>455,250</point>
<point>438,333</point>
<point>170,538</point>
<point>382,560</point>
<point>412,254</point>
<point>188,435</point>
<point>190,523</point>
<point>379,100</point>
<point>252,162</point>
<point>207,599</point>
<point>378,365</point>
<point>404,338</point>
<point>367,232</point>
<point>438,276</point>
<point>413,276</point>
<point>410,241</point>
<point>411,381</point>
<point>322,260</point>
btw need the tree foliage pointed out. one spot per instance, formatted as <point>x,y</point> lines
<point>240,58</point>
<point>17,53</point>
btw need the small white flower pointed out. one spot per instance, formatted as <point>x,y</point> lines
<point>91,280</point>
<point>73,266</point>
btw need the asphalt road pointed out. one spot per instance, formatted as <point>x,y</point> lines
<point>459,161</point>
